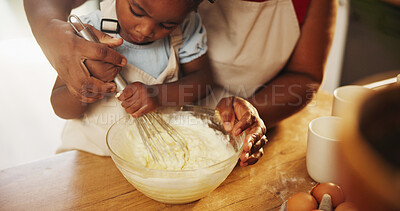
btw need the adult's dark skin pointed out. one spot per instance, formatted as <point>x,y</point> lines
<point>81,64</point>
<point>239,115</point>
<point>67,52</point>
<point>304,69</point>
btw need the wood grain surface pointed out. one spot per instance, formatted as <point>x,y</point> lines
<point>81,181</point>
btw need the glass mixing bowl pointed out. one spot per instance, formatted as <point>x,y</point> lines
<point>173,186</point>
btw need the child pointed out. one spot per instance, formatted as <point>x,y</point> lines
<point>160,36</point>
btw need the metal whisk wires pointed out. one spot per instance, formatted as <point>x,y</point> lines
<point>163,142</point>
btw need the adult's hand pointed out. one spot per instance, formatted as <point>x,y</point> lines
<point>239,115</point>
<point>69,54</point>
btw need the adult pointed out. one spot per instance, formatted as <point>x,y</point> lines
<point>259,50</point>
<point>268,52</point>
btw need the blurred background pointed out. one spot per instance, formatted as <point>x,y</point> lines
<point>366,44</point>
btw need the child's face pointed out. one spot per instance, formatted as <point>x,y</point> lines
<point>144,21</point>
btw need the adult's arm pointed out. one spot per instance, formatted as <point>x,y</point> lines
<point>293,88</point>
<point>66,51</point>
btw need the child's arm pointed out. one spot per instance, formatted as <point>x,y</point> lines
<point>65,105</point>
<point>139,99</point>
<point>64,49</point>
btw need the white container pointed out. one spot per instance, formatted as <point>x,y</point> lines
<point>346,96</point>
<point>323,149</point>
<point>174,186</point>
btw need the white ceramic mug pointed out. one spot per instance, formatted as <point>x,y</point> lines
<point>323,149</point>
<point>346,96</point>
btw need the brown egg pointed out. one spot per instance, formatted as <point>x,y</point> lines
<point>346,206</point>
<point>333,190</point>
<point>302,202</point>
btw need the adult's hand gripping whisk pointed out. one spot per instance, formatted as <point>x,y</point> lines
<point>164,143</point>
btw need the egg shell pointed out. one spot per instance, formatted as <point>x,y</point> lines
<point>346,206</point>
<point>332,189</point>
<point>301,202</point>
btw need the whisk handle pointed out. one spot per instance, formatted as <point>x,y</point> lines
<point>87,34</point>
<point>120,81</point>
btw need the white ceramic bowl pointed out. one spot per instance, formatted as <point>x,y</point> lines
<point>173,186</point>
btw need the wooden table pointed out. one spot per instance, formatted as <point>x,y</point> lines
<point>79,180</point>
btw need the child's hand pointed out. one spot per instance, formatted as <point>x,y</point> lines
<point>137,99</point>
<point>232,108</point>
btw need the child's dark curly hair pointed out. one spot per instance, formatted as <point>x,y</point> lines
<point>195,3</point>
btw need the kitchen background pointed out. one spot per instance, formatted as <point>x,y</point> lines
<point>29,130</point>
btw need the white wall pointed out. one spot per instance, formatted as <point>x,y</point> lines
<point>334,64</point>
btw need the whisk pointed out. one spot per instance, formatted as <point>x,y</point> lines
<point>163,142</point>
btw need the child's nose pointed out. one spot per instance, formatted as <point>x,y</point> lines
<point>146,28</point>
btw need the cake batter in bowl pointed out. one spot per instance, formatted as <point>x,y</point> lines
<point>212,155</point>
